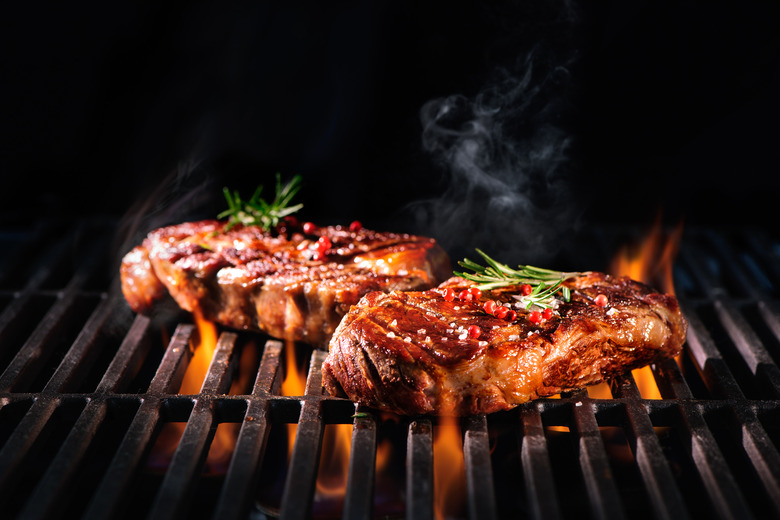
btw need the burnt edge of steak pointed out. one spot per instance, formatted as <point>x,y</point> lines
<point>411,352</point>
<point>289,284</point>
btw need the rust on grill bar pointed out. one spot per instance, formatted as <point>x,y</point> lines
<point>87,391</point>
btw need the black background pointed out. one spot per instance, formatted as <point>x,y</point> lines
<point>124,108</point>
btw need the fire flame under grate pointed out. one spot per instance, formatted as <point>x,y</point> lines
<point>86,390</point>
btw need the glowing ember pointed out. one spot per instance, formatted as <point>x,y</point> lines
<point>650,262</point>
<point>449,479</point>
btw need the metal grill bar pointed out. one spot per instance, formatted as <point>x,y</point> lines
<point>666,501</point>
<point>244,470</point>
<point>302,472</point>
<point>74,363</point>
<point>18,445</point>
<point>112,490</point>
<point>46,498</point>
<point>178,485</point>
<point>710,409</point>
<point>419,470</point>
<point>758,446</point>
<point>539,484</point>
<point>358,502</point>
<point>479,474</point>
<point>714,370</point>
<point>670,380</point>
<point>36,350</point>
<point>126,362</point>
<point>604,497</point>
<point>711,466</point>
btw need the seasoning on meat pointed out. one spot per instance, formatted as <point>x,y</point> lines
<point>429,352</point>
<point>288,282</point>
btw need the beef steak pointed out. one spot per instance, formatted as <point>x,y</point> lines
<point>290,284</point>
<point>418,353</point>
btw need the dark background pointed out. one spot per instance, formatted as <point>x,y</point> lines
<point>149,109</point>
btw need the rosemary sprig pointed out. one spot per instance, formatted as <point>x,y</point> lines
<point>258,212</point>
<point>542,295</point>
<point>545,283</point>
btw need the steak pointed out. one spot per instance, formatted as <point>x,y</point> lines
<point>290,284</point>
<point>418,353</point>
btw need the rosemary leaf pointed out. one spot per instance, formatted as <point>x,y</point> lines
<point>545,283</point>
<point>257,211</point>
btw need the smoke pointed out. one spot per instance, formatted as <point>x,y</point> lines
<point>505,157</point>
<point>179,196</point>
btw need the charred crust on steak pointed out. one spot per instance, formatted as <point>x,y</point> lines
<point>246,278</point>
<point>422,361</point>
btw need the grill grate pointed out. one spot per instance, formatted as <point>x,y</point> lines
<point>86,389</point>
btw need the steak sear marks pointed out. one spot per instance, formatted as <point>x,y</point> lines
<point>246,278</point>
<point>412,353</point>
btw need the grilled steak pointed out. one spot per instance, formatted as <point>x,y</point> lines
<point>417,353</point>
<point>290,284</point>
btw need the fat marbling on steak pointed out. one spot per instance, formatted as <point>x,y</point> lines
<point>295,283</point>
<point>418,353</point>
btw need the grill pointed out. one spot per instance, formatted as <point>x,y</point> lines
<point>88,390</point>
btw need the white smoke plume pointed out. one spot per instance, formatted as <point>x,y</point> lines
<point>506,163</point>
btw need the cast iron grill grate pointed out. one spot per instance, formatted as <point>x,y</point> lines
<point>86,388</point>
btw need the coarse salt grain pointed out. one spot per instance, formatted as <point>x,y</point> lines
<point>421,331</point>
<point>611,311</point>
<point>391,335</point>
<point>407,339</point>
<point>394,323</point>
<point>463,336</point>
<point>514,337</point>
<point>483,343</point>
<point>457,308</point>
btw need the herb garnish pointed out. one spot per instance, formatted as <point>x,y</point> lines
<point>258,212</point>
<point>544,283</point>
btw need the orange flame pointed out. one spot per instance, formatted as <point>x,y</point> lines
<point>652,260</point>
<point>224,440</point>
<point>384,452</point>
<point>294,383</point>
<point>600,391</point>
<point>649,262</point>
<point>201,357</point>
<point>334,462</point>
<point>449,480</point>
